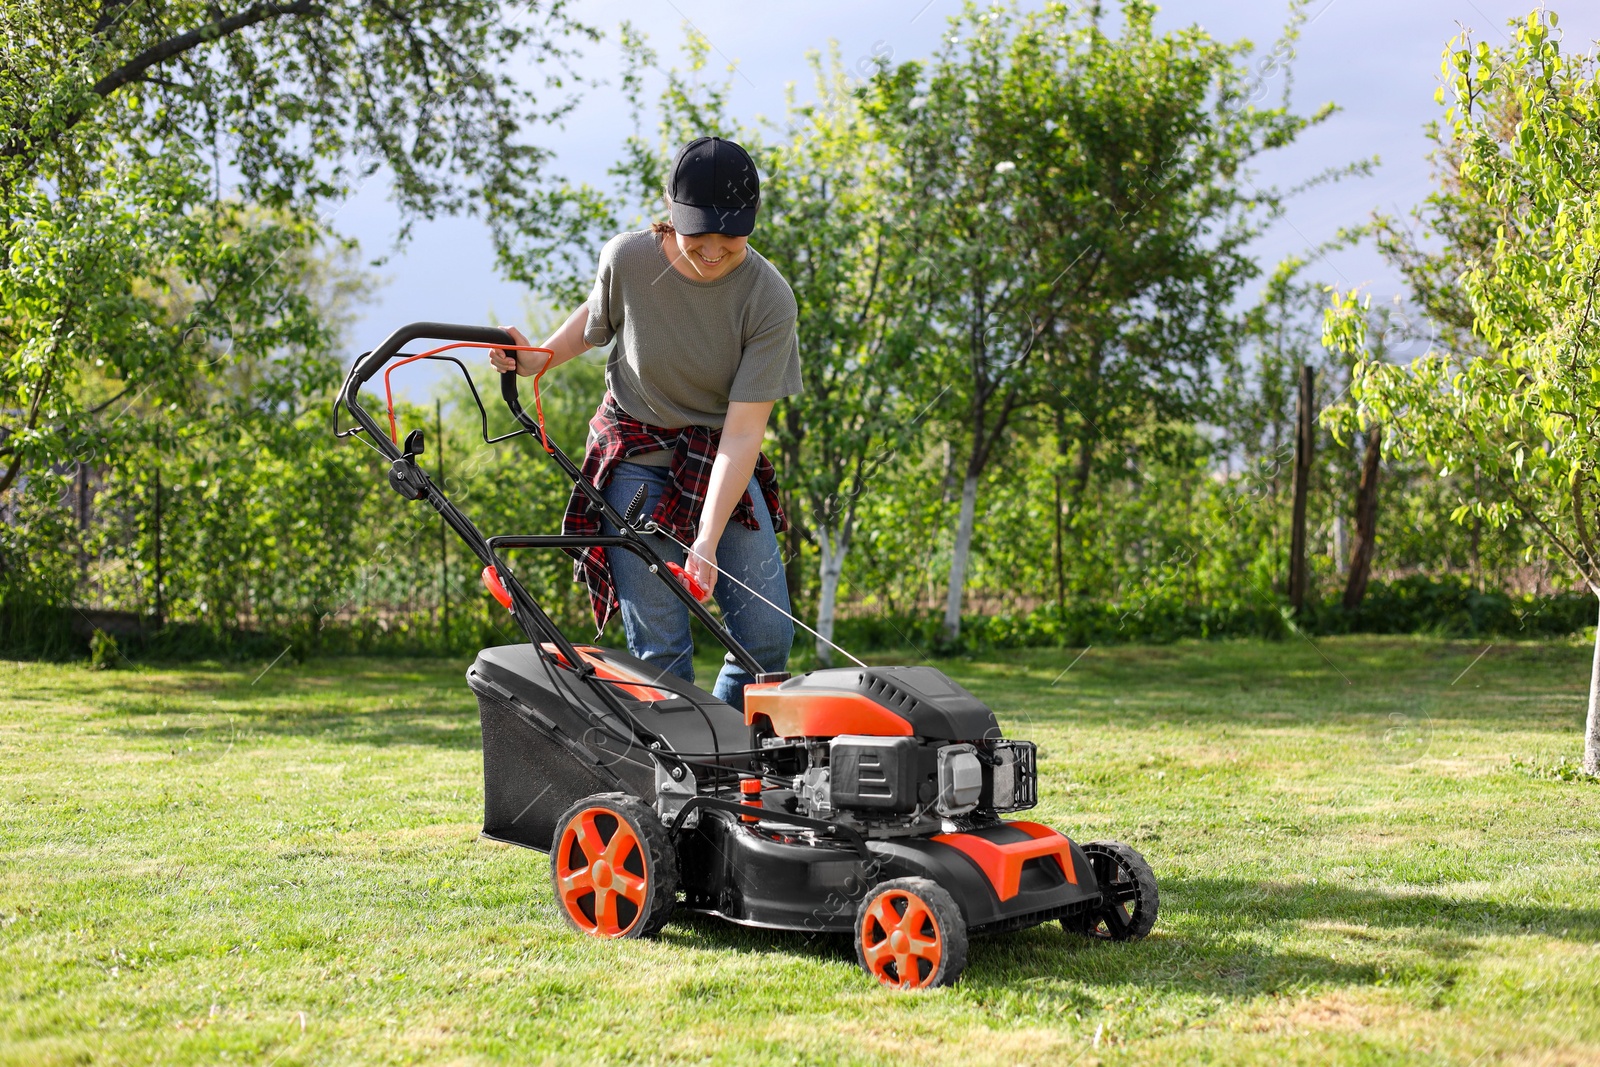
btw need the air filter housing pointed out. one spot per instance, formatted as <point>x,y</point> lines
<point>883,774</point>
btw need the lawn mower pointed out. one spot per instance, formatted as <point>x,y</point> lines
<point>862,800</point>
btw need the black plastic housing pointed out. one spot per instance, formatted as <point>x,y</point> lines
<point>878,773</point>
<point>771,877</point>
<point>543,749</point>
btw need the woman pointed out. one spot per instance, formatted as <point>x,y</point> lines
<point>705,344</point>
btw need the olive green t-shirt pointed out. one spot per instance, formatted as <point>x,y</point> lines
<point>685,349</point>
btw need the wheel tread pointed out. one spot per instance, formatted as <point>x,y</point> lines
<point>1147,899</point>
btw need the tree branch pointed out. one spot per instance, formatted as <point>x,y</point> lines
<point>1555,539</point>
<point>110,12</point>
<point>97,409</point>
<point>135,68</point>
<point>1584,540</point>
<point>33,415</point>
<point>184,42</point>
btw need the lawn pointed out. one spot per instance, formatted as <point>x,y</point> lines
<point>1366,851</point>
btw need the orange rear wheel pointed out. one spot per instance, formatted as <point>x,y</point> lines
<point>910,935</point>
<point>612,868</point>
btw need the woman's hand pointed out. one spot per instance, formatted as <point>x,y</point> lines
<point>742,431</point>
<point>566,343</point>
<point>702,563</point>
<point>503,360</point>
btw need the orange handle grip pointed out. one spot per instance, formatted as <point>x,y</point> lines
<point>696,590</point>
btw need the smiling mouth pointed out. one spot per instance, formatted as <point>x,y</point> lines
<point>708,261</point>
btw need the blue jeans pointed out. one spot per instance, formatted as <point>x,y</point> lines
<point>656,621</point>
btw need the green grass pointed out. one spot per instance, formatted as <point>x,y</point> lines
<point>1359,862</point>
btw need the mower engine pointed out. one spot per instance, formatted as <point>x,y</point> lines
<point>893,751</point>
<point>908,784</point>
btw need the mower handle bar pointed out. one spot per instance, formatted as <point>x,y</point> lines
<point>373,362</point>
<point>493,336</point>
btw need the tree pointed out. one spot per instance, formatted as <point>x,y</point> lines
<point>1305,444</point>
<point>1078,197</point>
<point>134,290</point>
<point>128,272</point>
<point>1389,330</point>
<point>1520,405</point>
<point>831,226</point>
<point>1260,412</point>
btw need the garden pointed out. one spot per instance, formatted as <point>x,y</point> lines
<point>1292,586</point>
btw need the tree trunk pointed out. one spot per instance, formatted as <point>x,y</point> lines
<point>161,601</point>
<point>830,572</point>
<point>80,508</point>
<point>1592,730</point>
<point>1061,570</point>
<point>1304,443</point>
<point>794,537</point>
<point>1055,478</point>
<point>1355,587</point>
<point>1591,737</point>
<point>958,559</point>
<point>444,540</point>
<point>1080,485</point>
<point>1473,557</point>
<point>947,480</point>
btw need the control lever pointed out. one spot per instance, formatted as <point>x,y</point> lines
<point>631,516</point>
<point>696,590</point>
<point>636,508</point>
<point>405,476</point>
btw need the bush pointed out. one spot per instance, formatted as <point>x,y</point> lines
<point>1445,607</point>
<point>103,651</point>
<point>1437,607</point>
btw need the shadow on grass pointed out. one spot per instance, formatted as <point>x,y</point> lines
<point>1243,904</point>
<point>1228,954</point>
<point>1352,682</point>
<point>690,929</point>
<point>1048,962</point>
<point>442,727</point>
<point>1220,684</point>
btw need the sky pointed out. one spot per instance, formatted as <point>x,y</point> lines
<point>1378,60</point>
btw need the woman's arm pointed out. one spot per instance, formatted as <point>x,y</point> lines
<point>742,432</point>
<point>567,343</point>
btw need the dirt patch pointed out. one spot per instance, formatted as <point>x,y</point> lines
<point>1335,1011</point>
<point>915,1044</point>
<point>1583,1056</point>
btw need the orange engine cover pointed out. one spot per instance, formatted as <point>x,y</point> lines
<point>819,713</point>
<point>874,701</point>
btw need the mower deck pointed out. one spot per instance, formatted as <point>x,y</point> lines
<point>539,758</point>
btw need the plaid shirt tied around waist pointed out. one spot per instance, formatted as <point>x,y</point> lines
<point>618,435</point>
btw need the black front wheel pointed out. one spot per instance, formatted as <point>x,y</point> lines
<point>1128,886</point>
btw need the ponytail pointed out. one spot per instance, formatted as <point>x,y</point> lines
<point>664,229</point>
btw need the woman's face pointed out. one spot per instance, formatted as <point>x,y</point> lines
<point>711,255</point>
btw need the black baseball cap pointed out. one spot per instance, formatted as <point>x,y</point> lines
<point>714,188</point>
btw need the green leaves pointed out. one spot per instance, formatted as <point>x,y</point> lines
<point>1516,396</point>
<point>126,267</point>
